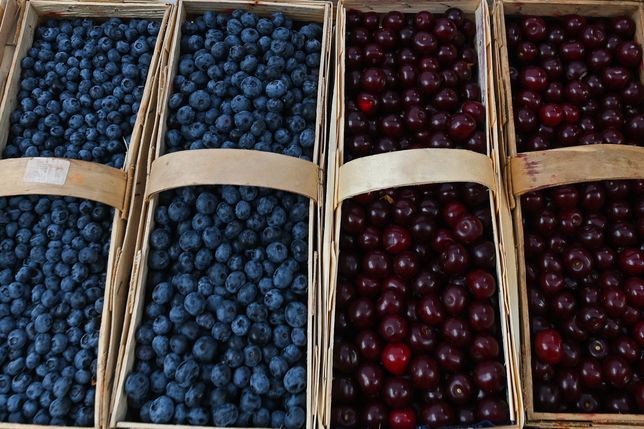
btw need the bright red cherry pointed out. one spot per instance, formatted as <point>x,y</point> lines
<point>396,358</point>
<point>402,419</point>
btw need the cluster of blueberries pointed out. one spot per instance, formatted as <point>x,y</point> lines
<point>246,82</point>
<point>223,337</point>
<point>80,89</point>
<point>53,255</point>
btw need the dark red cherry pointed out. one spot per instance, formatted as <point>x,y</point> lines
<point>494,410</point>
<point>454,299</point>
<point>484,347</point>
<point>345,357</point>
<point>534,28</point>
<point>394,328</point>
<point>344,390</point>
<point>457,332</point>
<point>489,376</point>
<point>617,371</point>
<point>482,317</point>
<point>373,80</point>
<point>547,397</point>
<point>444,30</point>
<point>455,259</point>
<point>424,21</point>
<point>459,389</point>
<point>548,346</point>
<point>393,20</point>
<point>449,357</point>
<point>374,415</point>
<point>397,392</point>
<point>424,372</point>
<point>422,338</point>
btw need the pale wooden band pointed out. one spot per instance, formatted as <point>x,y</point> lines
<point>86,180</point>
<point>532,171</point>
<point>413,167</point>
<point>234,167</point>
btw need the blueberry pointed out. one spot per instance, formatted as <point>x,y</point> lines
<point>296,314</point>
<point>295,379</point>
<point>295,418</point>
<point>161,410</point>
<point>137,386</point>
<point>224,415</point>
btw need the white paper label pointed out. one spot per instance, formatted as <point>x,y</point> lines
<point>47,170</point>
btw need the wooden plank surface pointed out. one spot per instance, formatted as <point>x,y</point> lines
<point>234,167</point>
<point>532,171</point>
<point>87,180</point>
<point>413,167</point>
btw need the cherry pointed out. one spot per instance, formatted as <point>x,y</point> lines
<point>489,376</point>
<point>484,347</point>
<point>345,357</point>
<point>548,346</point>
<point>482,317</point>
<point>397,392</point>
<point>444,30</point>
<point>402,419</point>
<point>617,371</point>
<point>534,28</point>
<point>454,299</point>
<point>494,410</point>
<point>361,313</point>
<point>468,229</point>
<point>344,390</point>
<point>547,397</point>
<point>368,345</point>
<point>422,338</point>
<point>437,414</point>
<point>551,114</point>
<point>425,373</point>
<point>449,357</point>
<point>394,328</point>
<point>396,357</point>
<point>456,332</point>
<point>345,416</point>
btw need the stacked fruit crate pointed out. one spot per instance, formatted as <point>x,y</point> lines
<point>570,102</point>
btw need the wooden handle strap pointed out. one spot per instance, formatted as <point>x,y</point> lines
<point>63,177</point>
<point>532,171</point>
<point>234,167</point>
<point>413,167</point>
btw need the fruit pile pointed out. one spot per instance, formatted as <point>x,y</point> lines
<point>584,248</point>
<point>80,88</point>
<point>575,81</point>
<point>417,332</point>
<point>223,338</point>
<point>411,82</point>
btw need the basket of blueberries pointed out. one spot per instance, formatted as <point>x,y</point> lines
<point>222,330</point>
<point>77,92</point>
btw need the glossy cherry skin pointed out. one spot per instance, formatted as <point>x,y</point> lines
<point>489,376</point>
<point>344,390</point>
<point>345,357</point>
<point>396,358</point>
<point>548,346</point>
<point>449,357</point>
<point>397,392</point>
<point>402,419</point>
<point>369,345</point>
<point>438,414</point>
<point>369,378</point>
<point>424,372</point>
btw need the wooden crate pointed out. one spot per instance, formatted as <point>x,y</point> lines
<point>9,32</point>
<point>231,167</point>
<point>118,188</point>
<point>416,167</point>
<point>531,171</point>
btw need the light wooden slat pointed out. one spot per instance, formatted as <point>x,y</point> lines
<point>99,9</point>
<point>234,167</point>
<point>413,167</point>
<point>532,171</point>
<point>82,181</point>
